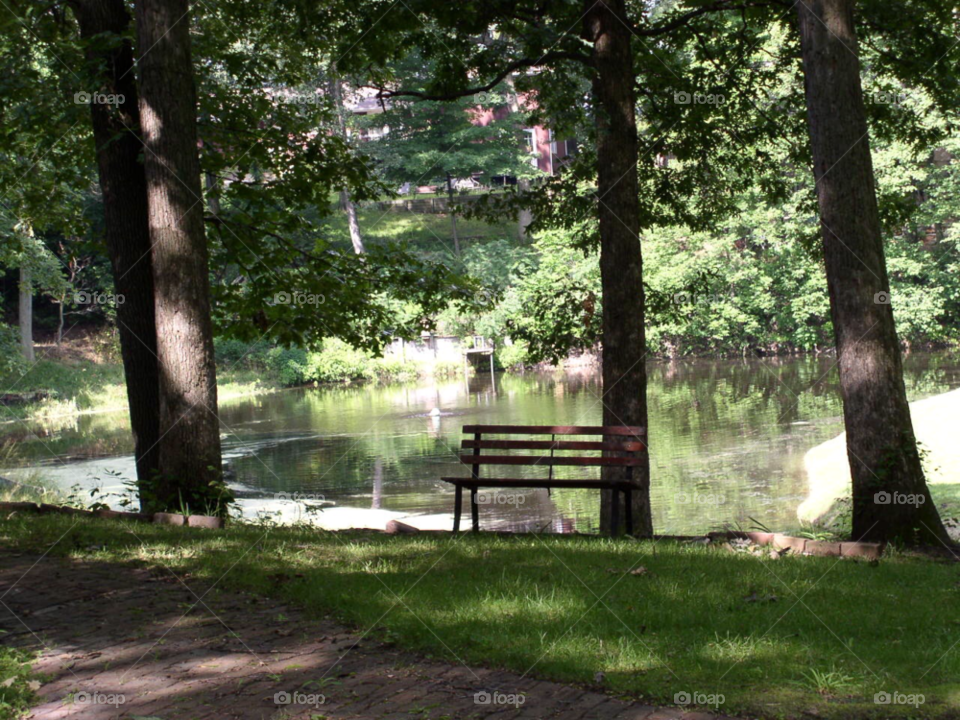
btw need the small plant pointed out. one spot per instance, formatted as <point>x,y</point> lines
<point>18,687</point>
<point>828,682</point>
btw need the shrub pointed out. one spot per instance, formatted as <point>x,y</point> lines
<point>11,359</point>
<point>288,365</point>
<point>509,356</point>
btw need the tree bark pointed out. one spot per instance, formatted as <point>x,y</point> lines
<point>351,210</point>
<point>25,311</point>
<point>124,189</point>
<point>336,94</point>
<point>881,447</point>
<point>621,265</point>
<point>190,462</point>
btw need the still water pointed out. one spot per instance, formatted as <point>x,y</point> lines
<point>727,442</point>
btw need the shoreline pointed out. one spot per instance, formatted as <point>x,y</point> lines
<point>828,471</point>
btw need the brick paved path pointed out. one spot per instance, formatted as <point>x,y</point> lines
<point>106,631</point>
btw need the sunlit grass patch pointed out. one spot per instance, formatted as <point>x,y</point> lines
<point>775,638</point>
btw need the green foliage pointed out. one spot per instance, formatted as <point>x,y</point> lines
<point>18,689</point>
<point>429,141</point>
<point>557,305</point>
<point>334,362</point>
<point>511,356</point>
<point>11,359</point>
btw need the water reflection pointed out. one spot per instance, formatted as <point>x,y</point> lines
<point>727,441</point>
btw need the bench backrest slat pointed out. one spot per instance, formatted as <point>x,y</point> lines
<point>550,460</point>
<point>618,445</point>
<point>631,431</point>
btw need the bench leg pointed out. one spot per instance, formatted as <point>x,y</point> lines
<point>615,513</point>
<point>474,509</point>
<point>457,508</point>
<point>628,507</point>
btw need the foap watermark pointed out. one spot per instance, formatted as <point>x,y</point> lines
<point>93,298</point>
<point>898,698</point>
<point>483,297</point>
<point>696,498</point>
<point>684,98</point>
<point>887,498</point>
<point>887,97</point>
<point>498,698</point>
<point>98,98</point>
<point>486,98</point>
<point>298,298</point>
<point>697,698</point>
<point>688,298</point>
<point>901,300</point>
<point>300,497</point>
<point>500,498</point>
<point>99,698</point>
<point>298,698</point>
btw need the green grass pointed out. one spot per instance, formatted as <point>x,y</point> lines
<point>428,231</point>
<point>777,638</point>
<point>88,387</point>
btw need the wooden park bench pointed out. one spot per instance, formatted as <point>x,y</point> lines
<point>619,445</point>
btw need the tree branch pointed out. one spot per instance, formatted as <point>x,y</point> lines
<point>512,67</point>
<point>720,6</point>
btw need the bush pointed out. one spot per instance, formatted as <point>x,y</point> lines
<point>287,365</point>
<point>510,356</point>
<point>11,359</point>
<point>338,362</point>
<point>236,354</point>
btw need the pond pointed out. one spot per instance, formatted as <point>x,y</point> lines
<point>727,442</point>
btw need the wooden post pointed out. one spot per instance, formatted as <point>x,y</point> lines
<point>628,499</point>
<point>474,509</point>
<point>475,472</point>
<point>457,508</point>
<point>614,512</point>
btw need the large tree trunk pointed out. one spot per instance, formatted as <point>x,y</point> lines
<point>190,463</point>
<point>621,265</point>
<point>25,310</point>
<point>346,204</point>
<point>881,446</point>
<point>124,189</point>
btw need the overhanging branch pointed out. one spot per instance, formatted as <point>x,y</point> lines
<point>498,78</point>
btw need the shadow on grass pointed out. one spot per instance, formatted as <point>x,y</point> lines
<point>775,638</point>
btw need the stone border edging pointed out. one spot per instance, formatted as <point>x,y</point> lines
<point>778,541</point>
<point>202,521</point>
<point>801,546</point>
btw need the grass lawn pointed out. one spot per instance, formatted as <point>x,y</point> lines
<point>425,230</point>
<point>778,638</point>
<point>91,387</point>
